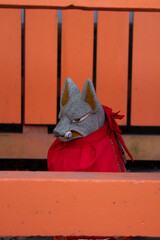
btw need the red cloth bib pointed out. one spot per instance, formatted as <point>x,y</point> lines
<point>97,152</point>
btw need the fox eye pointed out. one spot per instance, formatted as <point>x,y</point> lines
<point>77,120</point>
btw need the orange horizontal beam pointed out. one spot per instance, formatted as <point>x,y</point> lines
<point>35,142</point>
<point>79,204</point>
<point>128,5</point>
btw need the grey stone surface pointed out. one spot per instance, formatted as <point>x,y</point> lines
<point>80,113</point>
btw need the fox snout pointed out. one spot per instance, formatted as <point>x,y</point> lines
<point>56,134</point>
<point>67,135</point>
<point>60,130</point>
<point>65,130</point>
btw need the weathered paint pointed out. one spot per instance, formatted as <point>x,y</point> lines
<point>143,147</point>
<point>102,204</point>
<point>40,66</point>
<point>77,46</point>
<point>146,73</point>
<point>32,144</point>
<point>10,66</point>
<point>130,5</point>
<point>112,60</point>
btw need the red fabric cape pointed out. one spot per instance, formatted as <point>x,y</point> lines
<point>97,152</point>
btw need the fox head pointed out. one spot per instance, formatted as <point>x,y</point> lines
<point>80,114</point>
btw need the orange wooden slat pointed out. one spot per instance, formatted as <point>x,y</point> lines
<point>10,66</point>
<point>112,60</point>
<point>129,5</point>
<point>96,204</point>
<point>40,66</point>
<point>146,70</point>
<point>77,46</point>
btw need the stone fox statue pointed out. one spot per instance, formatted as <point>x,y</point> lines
<point>88,137</point>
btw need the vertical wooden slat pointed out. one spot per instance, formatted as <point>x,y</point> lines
<point>112,60</point>
<point>40,66</point>
<point>10,66</point>
<point>146,70</point>
<point>77,46</point>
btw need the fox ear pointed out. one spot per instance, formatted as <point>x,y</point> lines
<point>69,91</point>
<point>89,94</point>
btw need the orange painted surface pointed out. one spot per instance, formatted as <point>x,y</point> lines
<point>146,70</point>
<point>112,60</point>
<point>153,5</point>
<point>40,66</point>
<point>47,204</point>
<point>10,66</point>
<point>77,46</point>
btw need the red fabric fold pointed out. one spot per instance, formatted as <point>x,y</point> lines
<point>97,152</point>
<point>113,126</point>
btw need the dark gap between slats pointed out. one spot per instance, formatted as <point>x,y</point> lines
<point>41,165</point>
<point>130,68</point>
<point>140,130</point>
<point>26,238</point>
<point>10,128</point>
<point>94,48</point>
<point>23,165</point>
<point>51,127</point>
<point>22,64</point>
<point>52,238</point>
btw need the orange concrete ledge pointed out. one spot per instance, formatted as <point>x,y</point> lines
<point>129,5</point>
<point>102,204</point>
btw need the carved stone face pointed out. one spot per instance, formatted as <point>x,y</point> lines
<point>81,114</point>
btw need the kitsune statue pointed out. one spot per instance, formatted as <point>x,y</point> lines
<point>88,137</point>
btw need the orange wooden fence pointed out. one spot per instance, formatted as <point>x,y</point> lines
<point>40,97</point>
<point>40,65</point>
<point>48,204</point>
<point>130,5</point>
<point>79,204</point>
<point>39,86</point>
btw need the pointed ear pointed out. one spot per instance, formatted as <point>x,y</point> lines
<point>89,94</point>
<point>69,91</point>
